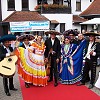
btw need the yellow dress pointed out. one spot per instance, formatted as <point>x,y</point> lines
<point>31,64</point>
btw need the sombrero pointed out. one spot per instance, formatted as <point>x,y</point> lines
<point>91,33</point>
<point>8,37</point>
<point>53,32</point>
<point>26,36</point>
<point>71,31</point>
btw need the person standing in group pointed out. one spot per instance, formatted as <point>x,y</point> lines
<point>68,76</point>
<point>80,38</point>
<point>31,65</point>
<point>25,44</point>
<point>53,49</point>
<point>90,60</point>
<point>6,51</point>
<point>72,34</point>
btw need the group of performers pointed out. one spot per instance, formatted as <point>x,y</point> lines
<point>70,62</point>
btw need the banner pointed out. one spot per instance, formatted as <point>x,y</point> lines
<point>29,26</point>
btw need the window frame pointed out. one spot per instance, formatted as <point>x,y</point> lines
<point>62,27</point>
<point>10,6</point>
<point>26,8</point>
<point>78,3</point>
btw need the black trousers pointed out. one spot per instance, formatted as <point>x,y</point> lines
<point>7,84</point>
<point>89,66</point>
<point>54,70</point>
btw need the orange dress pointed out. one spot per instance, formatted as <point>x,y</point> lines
<point>31,64</point>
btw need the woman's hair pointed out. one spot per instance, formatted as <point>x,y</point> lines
<point>68,37</point>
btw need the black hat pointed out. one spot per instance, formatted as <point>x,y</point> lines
<point>8,37</point>
<point>91,33</point>
<point>72,31</point>
<point>53,32</point>
<point>26,36</point>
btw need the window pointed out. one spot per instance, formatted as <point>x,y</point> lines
<point>41,1</point>
<point>78,5</point>
<point>11,5</point>
<point>67,2</point>
<point>25,5</point>
<point>83,28</point>
<point>62,27</point>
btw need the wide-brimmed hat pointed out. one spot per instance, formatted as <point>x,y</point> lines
<point>26,36</point>
<point>8,37</point>
<point>91,33</point>
<point>53,32</point>
<point>71,31</point>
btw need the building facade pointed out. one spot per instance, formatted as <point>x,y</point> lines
<point>60,20</point>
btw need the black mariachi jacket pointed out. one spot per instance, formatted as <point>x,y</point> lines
<point>3,52</point>
<point>56,47</point>
<point>94,45</point>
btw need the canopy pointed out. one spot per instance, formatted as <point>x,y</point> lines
<point>92,21</point>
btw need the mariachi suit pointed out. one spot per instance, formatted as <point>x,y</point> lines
<point>90,64</point>
<point>56,48</point>
<point>3,52</point>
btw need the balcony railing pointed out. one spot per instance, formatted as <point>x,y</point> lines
<point>56,10</point>
<point>53,9</point>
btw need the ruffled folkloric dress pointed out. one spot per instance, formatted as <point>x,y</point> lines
<point>31,64</point>
<point>67,73</point>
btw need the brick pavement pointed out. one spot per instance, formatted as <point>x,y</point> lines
<point>17,95</point>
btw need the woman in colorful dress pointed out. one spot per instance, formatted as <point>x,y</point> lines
<point>31,63</point>
<point>66,72</point>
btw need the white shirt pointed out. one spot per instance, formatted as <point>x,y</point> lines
<point>8,51</point>
<point>52,40</point>
<point>89,49</point>
<point>26,46</point>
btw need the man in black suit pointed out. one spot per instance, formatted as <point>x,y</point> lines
<point>5,51</point>
<point>54,50</point>
<point>90,61</point>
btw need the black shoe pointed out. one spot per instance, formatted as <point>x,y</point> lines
<point>80,84</point>
<point>27,85</point>
<point>8,94</point>
<point>90,86</point>
<point>50,80</point>
<point>14,89</point>
<point>55,84</point>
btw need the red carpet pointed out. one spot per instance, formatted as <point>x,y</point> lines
<point>61,92</point>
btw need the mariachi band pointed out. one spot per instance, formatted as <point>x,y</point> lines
<point>39,62</point>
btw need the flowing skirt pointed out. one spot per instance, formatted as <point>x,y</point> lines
<point>70,74</point>
<point>31,67</point>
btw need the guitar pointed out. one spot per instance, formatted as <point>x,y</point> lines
<point>7,66</point>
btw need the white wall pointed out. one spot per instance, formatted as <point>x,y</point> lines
<point>32,4</point>
<point>5,13</point>
<point>18,7</point>
<point>78,26</point>
<point>84,5</point>
<point>61,18</point>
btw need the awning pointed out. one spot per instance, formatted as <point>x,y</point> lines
<point>54,22</point>
<point>92,21</point>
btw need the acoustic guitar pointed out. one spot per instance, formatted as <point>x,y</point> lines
<point>7,66</point>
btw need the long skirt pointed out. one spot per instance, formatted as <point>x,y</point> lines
<point>31,67</point>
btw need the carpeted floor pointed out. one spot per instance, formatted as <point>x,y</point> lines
<point>61,92</point>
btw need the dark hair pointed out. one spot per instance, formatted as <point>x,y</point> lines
<point>68,37</point>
